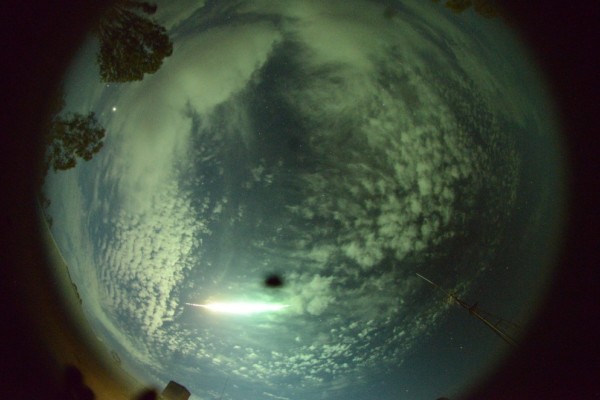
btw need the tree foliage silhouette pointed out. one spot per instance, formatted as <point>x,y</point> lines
<point>70,137</point>
<point>458,6</point>
<point>131,44</point>
<point>485,8</point>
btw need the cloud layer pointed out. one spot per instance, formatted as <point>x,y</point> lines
<point>317,139</point>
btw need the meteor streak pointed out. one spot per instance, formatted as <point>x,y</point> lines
<point>243,308</point>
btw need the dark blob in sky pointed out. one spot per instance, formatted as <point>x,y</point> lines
<point>273,281</point>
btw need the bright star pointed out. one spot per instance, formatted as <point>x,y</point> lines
<point>114,109</point>
<point>243,308</point>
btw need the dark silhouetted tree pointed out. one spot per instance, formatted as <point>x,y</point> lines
<point>71,137</point>
<point>389,12</point>
<point>458,6</point>
<point>131,44</point>
<point>485,8</point>
<point>68,136</point>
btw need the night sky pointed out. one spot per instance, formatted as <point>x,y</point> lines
<point>346,152</point>
<point>501,286</point>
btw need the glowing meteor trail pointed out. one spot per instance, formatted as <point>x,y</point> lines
<point>240,307</point>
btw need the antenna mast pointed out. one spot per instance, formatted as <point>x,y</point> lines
<point>473,310</point>
<point>224,386</point>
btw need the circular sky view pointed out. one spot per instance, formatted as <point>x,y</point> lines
<point>266,209</point>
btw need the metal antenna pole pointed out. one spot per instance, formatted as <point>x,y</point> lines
<point>474,312</point>
<point>223,390</point>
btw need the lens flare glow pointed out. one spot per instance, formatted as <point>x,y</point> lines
<point>241,308</point>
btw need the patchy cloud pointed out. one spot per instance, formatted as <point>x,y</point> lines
<point>337,163</point>
<point>310,293</point>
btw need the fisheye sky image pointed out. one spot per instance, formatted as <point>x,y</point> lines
<point>341,146</point>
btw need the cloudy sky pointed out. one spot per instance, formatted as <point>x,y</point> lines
<point>318,140</point>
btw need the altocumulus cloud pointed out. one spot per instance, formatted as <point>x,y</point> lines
<point>150,228</point>
<point>394,160</point>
